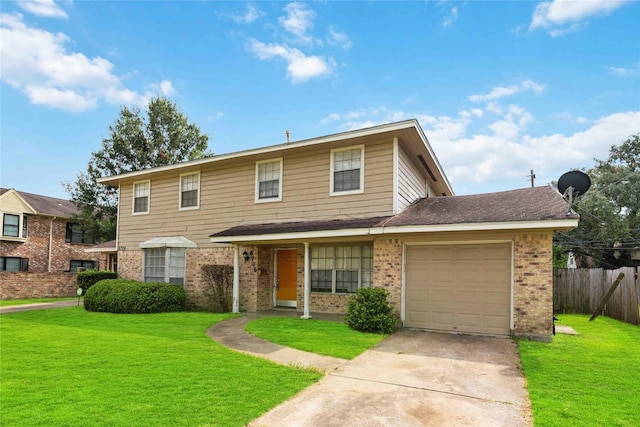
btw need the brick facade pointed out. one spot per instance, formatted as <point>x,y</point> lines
<point>533,285</point>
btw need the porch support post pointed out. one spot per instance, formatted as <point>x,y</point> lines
<point>307,281</point>
<point>236,279</point>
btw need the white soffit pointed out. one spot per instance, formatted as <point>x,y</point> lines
<point>168,242</point>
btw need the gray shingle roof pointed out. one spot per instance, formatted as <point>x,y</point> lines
<point>527,204</point>
<point>45,205</point>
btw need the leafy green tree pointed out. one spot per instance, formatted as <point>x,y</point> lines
<point>610,211</point>
<point>161,135</point>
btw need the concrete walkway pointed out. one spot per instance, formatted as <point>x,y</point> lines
<point>231,333</point>
<point>39,306</point>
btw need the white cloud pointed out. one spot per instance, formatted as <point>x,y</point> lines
<point>502,91</point>
<point>298,21</point>
<point>335,38</point>
<point>624,72</point>
<point>570,13</point>
<point>36,62</point>
<point>250,15</point>
<point>44,8</point>
<point>451,17</point>
<point>300,67</point>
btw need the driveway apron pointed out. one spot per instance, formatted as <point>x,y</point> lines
<point>416,378</point>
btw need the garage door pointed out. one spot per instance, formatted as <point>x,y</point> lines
<point>460,288</point>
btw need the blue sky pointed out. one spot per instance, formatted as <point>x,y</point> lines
<point>499,88</point>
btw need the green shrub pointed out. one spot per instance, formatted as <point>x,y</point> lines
<point>369,311</point>
<point>88,278</point>
<point>131,296</point>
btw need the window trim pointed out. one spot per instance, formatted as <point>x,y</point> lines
<point>167,264</point>
<point>334,270</point>
<point>257,183</point>
<point>332,168</point>
<point>188,208</point>
<point>22,227</point>
<point>133,196</point>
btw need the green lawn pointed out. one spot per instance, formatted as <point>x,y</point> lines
<point>591,379</point>
<point>7,302</point>
<point>315,336</point>
<point>76,368</point>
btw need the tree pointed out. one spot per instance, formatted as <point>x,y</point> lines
<point>160,136</point>
<point>610,210</point>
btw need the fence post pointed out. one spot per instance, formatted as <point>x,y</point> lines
<point>606,296</point>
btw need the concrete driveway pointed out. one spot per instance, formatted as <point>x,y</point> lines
<point>416,378</point>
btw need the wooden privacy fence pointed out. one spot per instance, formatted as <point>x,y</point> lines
<point>579,290</point>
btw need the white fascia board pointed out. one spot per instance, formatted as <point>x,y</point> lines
<point>112,180</point>
<point>560,224</point>
<point>305,235</point>
<point>101,250</point>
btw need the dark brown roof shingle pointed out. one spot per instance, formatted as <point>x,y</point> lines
<point>45,205</point>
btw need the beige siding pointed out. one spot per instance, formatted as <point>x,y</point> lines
<point>227,196</point>
<point>411,181</point>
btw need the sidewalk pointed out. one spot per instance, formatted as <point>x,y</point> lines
<point>231,333</point>
<point>39,306</point>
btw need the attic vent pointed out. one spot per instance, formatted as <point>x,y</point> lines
<point>424,163</point>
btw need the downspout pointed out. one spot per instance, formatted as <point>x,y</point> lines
<point>51,241</point>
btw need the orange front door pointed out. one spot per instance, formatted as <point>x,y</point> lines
<point>287,277</point>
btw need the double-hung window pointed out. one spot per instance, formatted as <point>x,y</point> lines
<point>11,225</point>
<point>75,264</point>
<point>190,190</point>
<point>75,234</point>
<point>165,265</point>
<point>347,170</point>
<point>269,180</point>
<point>141,192</point>
<point>341,269</point>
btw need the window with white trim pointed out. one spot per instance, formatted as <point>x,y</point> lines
<point>269,180</point>
<point>141,192</point>
<point>347,170</point>
<point>341,269</point>
<point>14,225</point>
<point>190,190</point>
<point>165,265</point>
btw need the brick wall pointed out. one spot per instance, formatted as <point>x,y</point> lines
<point>533,286</point>
<point>36,247</point>
<point>20,285</point>
<point>387,269</point>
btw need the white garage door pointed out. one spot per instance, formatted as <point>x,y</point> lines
<point>461,288</point>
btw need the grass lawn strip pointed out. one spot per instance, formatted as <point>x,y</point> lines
<point>8,302</point>
<point>315,336</point>
<point>72,367</point>
<point>588,379</point>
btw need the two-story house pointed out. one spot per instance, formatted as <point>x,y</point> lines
<point>307,223</point>
<point>39,236</point>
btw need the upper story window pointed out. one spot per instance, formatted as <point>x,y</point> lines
<point>141,191</point>
<point>269,180</point>
<point>75,234</point>
<point>347,170</point>
<point>190,190</point>
<point>14,225</point>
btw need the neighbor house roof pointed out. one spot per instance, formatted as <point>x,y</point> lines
<point>539,207</point>
<point>108,246</point>
<point>44,205</point>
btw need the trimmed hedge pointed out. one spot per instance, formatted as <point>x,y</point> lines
<point>88,278</point>
<point>369,311</point>
<point>131,296</point>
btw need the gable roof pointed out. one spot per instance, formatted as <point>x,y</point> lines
<point>44,205</point>
<point>539,207</point>
<point>408,131</point>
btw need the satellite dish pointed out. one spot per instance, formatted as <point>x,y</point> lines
<point>573,184</point>
<point>579,181</point>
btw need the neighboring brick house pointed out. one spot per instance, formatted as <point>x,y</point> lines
<point>38,235</point>
<point>305,224</point>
